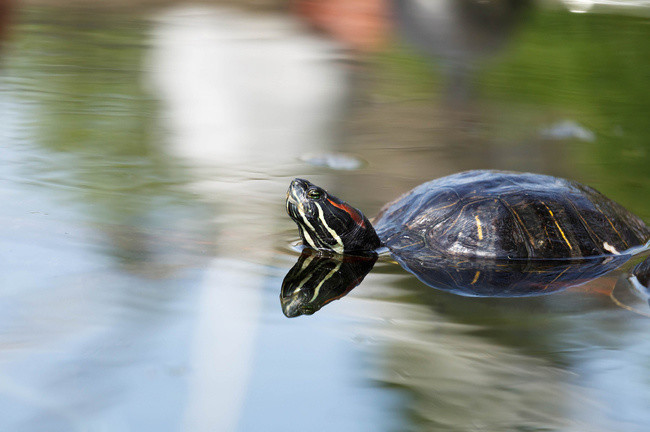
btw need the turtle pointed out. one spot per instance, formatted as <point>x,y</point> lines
<point>480,233</point>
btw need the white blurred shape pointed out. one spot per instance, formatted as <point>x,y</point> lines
<point>245,92</point>
<point>568,129</point>
<point>584,6</point>
<point>335,161</point>
<point>579,6</point>
<point>222,348</point>
<point>242,87</point>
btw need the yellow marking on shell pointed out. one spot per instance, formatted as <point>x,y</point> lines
<point>556,277</point>
<point>557,224</point>
<point>478,273</point>
<point>590,231</point>
<point>523,226</point>
<point>460,212</point>
<point>478,226</point>
<point>615,230</point>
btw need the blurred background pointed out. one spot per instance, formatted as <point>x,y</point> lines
<point>145,151</point>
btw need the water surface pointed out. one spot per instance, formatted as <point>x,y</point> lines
<point>145,157</point>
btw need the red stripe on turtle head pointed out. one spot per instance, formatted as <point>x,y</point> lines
<point>356,217</point>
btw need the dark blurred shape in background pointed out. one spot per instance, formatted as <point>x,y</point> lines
<point>455,34</point>
<point>5,15</point>
<point>458,33</point>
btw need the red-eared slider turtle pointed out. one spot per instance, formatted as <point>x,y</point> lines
<point>481,232</point>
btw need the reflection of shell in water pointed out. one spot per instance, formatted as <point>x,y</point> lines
<point>335,161</point>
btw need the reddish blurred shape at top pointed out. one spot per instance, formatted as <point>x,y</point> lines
<point>359,24</point>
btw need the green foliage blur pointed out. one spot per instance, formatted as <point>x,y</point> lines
<point>593,69</point>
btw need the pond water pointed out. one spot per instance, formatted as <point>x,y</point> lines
<point>145,156</point>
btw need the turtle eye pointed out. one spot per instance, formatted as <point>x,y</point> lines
<point>314,194</point>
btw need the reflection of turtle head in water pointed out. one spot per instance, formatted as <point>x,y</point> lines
<point>488,233</point>
<point>316,280</point>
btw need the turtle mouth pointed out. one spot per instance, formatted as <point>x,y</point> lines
<point>295,193</point>
<point>293,207</point>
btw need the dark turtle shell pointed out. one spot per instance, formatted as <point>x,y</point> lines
<point>504,215</point>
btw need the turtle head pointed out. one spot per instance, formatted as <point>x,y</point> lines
<point>327,223</point>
